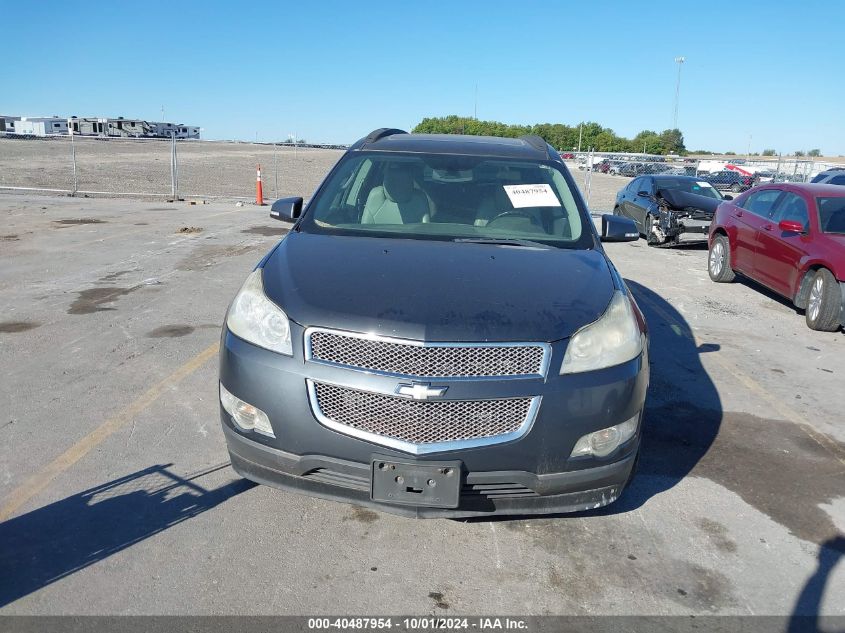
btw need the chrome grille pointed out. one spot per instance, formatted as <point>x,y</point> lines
<point>435,360</point>
<point>414,423</point>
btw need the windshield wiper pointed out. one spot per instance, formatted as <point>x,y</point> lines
<point>501,241</point>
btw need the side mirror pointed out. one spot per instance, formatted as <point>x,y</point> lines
<point>618,229</point>
<point>286,209</point>
<point>727,197</point>
<point>643,194</point>
<point>791,226</point>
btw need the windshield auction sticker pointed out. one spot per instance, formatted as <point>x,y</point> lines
<point>522,196</point>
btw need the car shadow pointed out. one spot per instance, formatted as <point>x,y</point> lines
<point>59,539</point>
<point>683,411</point>
<point>770,294</point>
<point>805,615</point>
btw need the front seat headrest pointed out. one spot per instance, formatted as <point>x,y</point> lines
<point>398,182</point>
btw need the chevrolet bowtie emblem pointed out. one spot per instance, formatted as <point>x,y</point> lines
<point>420,390</point>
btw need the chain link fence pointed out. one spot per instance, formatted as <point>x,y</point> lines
<point>163,168</point>
<point>174,168</point>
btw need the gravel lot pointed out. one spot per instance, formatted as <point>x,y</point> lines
<point>116,497</point>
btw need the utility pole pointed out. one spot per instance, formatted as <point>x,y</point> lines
<point>162,114</point>
<point>579,136</point>
<point>475,107</point>
<point>680,61</point>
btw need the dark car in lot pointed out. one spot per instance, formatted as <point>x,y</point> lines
<point>669,210</point>
<point>440,334</point>
<point>791,239</point>
<point>834,176</point>
<point>729,180</point>
<point>627,169</point>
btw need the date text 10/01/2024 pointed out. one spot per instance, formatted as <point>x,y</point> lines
<point>418,624</point>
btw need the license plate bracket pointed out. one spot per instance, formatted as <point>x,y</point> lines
<point>432,484</point>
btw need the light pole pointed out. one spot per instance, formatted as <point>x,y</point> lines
<point>680,61</point>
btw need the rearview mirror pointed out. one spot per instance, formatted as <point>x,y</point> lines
<point>286,209</point>
<point>791,226</point>
<point>618,229</point>
<point>727,197</point>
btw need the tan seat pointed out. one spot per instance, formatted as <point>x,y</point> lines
<point>397,201</point>
<point>494,202</point>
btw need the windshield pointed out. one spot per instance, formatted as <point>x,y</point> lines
<point>698,187</point>
<point>832,214</point>
<point>436,196</point>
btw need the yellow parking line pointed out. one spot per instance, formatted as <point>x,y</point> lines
<point>755,387</point>
<point>40,480</point>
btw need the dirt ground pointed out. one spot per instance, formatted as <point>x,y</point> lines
<point>205,168</point>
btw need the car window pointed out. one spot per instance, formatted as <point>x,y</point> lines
<point>832,214</point>
<point>837,180</point>
<point>646,185</point>
<point>634,185</point>
<point>819,177</point>
<point>436,196</point>
<point>761,202</point>
<point>792,207</point>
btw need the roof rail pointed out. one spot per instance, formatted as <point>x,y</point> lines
<point>537,142</point>
<point>382,132</point>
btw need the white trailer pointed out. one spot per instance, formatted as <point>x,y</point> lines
<point>41,126</point>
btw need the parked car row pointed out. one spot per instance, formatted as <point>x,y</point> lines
<point>790,237</point>
<point>729,180</point>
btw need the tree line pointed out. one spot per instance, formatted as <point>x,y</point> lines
<point>560,136</point>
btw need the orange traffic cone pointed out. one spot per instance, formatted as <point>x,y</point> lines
<point>259,190</point>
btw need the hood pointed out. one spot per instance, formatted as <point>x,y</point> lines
<point>682,200</point>
<point>437,291</point>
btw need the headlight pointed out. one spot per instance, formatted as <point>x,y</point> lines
<point>614,339</point>
<point>245,416</point>
<point>254,318</point>
<point>603,443</point>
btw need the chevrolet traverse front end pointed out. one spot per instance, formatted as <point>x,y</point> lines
<point>440,334</point>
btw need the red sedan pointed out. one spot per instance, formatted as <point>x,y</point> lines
<point>790,238</point>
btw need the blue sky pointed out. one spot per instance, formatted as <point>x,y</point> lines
<point>333,70</point>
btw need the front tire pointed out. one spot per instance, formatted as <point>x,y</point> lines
<point>824,303</point>
<point>719,260</point>
<point>736,188</point>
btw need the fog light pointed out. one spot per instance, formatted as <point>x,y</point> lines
<point>604,442</point>
<point>245,416</point>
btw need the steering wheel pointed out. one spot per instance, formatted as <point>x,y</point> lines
<point>513,214</point>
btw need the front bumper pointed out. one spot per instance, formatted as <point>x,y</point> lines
<point>532,474</point>
<point>482,493</point>
<point>680,229</point>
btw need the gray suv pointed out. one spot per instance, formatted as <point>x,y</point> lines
<point>440,334</point>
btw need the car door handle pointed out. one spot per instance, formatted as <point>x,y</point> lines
<point>739,214</point>
<point>767,227</point>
